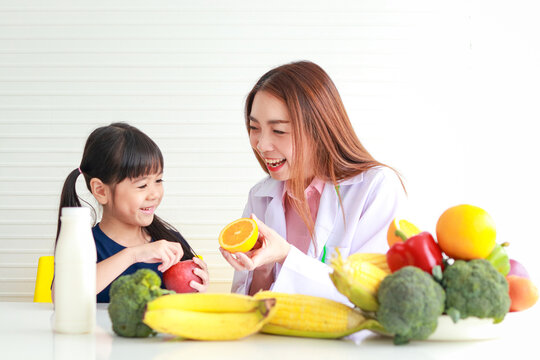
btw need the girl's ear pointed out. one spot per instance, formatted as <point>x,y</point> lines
<point>100,191</point>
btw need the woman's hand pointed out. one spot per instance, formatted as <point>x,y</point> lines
<point>202,273</point>
<point>270,248</point>
<point>166,252</point>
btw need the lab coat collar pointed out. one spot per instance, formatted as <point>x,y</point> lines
<point>269,188</point>
<point>274,188</point>
<point>328,213</point>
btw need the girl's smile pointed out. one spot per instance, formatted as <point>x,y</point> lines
<point>148,210</point>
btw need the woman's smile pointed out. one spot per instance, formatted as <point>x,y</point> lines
<point>275,164</point>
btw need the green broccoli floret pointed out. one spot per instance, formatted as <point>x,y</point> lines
<point>410,302</point>
<point>129,295</point>
<point>475,288</point>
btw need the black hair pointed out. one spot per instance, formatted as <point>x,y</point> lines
<point>113,153</point>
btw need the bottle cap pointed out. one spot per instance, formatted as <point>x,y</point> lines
<point>75,211</point>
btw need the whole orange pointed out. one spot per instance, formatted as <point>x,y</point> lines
<point>466,232</point>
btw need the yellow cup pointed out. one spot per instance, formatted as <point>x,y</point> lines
<point>44,278</point>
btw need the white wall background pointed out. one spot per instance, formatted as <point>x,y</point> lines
<point>445,92</point>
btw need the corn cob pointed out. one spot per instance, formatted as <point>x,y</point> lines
<point>311,316</point>
<point>376,259</point>
<point>367,273</point>
<point>359,280</point>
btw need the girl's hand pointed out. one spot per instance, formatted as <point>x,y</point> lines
<point>202,273</point>
<point>166,252</point>
<point>270,248</point>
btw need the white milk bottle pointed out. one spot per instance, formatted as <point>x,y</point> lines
<point>75,273</point>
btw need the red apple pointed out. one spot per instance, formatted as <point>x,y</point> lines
<point>178,276</point>
<point>518,269</point>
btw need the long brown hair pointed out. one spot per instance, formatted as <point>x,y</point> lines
<point>317,116</point>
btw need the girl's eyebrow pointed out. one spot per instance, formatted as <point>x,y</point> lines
<point>251,118</point>
<point>141,178</point>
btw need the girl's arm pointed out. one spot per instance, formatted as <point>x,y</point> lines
<point>109,269</point>
<point>165,252</point>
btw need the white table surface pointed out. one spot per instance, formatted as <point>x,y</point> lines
<point>25,333</point>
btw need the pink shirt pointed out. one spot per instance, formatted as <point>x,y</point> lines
<point>297,231</point>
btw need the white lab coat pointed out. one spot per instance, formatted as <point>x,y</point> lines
<point>370,201</point>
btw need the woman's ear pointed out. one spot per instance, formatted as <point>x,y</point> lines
<point>100,191</point>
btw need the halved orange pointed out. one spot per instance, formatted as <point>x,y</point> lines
<point>239,236</point>
<point>407,228</point>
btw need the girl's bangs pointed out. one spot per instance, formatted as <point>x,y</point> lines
<point>142,159</point>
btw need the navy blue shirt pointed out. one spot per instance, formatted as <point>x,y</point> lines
<point>107,247</point>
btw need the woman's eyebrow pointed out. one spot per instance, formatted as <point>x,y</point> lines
<point>276,121</point>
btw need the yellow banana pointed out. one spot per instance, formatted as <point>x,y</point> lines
<point>205,302</point>
<point>207,326</point>
<point>311,316</point>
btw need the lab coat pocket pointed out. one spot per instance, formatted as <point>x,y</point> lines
<point>330,252</point>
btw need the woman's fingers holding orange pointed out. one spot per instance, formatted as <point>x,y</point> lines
<point>260,224</point>
<point>245,261</point>
<point>231,260</point>
<point>264,230</point>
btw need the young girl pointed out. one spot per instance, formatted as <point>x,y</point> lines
<point>325,192</point>
<point>123,169</point>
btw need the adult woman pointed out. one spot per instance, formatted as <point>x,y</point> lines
<point>325,192</point>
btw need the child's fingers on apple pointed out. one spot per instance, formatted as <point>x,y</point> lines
<point>201,263</point>
<point>168,258</point>
<point>202,274</point>
<point>197,286</point>
<point>178,250</point>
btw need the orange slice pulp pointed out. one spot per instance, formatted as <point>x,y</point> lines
<point>239,235</point>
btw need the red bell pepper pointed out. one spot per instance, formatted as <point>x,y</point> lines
<point>419,250</point>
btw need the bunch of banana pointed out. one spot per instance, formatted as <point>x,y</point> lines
<point>358,279</point>
<point>206,316</point>
<point>311,316</point>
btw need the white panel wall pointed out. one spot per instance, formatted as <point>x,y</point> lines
<point>445,93</point>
